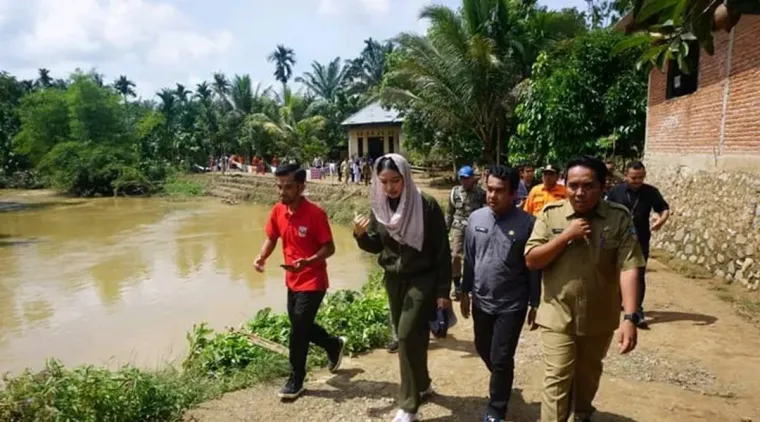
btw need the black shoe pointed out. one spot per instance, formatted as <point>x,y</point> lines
<point>427,393</point>
<point>292,390</point>
<point>393,347</point>
<point>334,359</point>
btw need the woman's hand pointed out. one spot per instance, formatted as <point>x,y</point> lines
<point>361,223</point>
<point>444,303</point>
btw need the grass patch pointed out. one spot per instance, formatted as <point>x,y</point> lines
<point>218,362</point>
<point>182,186</point>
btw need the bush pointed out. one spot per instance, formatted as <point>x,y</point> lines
<point>181,186</point>
<point>218,362</point>
<point>21,180</point>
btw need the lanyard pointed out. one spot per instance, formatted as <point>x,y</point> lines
<point>635,203</point>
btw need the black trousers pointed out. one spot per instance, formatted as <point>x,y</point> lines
<point>643,273</point>
<point>302,310</point>
<point>496,338</point>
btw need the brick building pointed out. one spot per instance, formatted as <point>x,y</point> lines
<point>711,117</point>
<point>702,150</point>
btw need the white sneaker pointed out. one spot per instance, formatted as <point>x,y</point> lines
<point>404,416</point>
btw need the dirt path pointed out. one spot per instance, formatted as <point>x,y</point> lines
<point>700,361</point>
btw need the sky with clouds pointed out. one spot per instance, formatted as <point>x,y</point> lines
<point>157,43</point>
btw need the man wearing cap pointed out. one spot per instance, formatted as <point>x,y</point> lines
<point>547,192</point>
<point>463,200</point>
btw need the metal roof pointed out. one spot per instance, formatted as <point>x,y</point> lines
<point>374,114</point>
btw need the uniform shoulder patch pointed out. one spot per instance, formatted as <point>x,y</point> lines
<point>617,207</point>
<point>553,205</point>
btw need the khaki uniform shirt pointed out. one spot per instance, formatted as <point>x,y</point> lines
<point>581,287</point>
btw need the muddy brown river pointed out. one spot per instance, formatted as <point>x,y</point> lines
<point>110,281</point>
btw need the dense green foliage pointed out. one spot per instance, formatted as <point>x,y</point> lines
<point>582,100</point>
<point>461,88</point>
<point>459,81</point>
<point>217,362</point>
<point>84,137</point>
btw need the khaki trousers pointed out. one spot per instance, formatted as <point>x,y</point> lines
<point>573,368</point>
<point>412,303</point>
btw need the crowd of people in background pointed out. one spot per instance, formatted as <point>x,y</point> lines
<point>516,251</point>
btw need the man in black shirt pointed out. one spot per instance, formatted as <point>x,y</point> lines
<point>641,199</point>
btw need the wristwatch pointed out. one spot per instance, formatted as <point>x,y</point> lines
<point>634,318</point>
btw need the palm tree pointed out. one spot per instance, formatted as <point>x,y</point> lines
<point>459,76</point>
<point>44,80</point>
<point>297,136</point>
<point>326,81</point>
<point>182,93</point>
<point>221,85</point>
<point>368,69</point>
<point>203,93</point>
<point>284,59</point>
<point>125,87</point>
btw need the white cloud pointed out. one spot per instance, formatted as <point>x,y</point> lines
<point>174,47</point>
<point>129,35</point>
<point>376,8</point>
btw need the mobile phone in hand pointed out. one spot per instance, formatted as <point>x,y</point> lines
<point>287,267</point>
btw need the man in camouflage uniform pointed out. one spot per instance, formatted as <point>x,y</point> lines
<point>463,200</point>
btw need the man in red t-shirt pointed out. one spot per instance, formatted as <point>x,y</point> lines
<point>306,244</point>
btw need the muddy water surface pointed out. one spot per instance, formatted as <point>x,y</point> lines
<point>108,281</point>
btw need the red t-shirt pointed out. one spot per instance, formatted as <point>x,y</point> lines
<point>303,233</point>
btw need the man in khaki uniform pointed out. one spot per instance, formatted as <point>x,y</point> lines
<point>589,254</point>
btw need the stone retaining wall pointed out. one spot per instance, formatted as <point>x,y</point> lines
<point>715,220</point>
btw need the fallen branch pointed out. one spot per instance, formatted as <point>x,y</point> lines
<point>264,343</point>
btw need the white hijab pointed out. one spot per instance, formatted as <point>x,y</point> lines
<point>405,225</point>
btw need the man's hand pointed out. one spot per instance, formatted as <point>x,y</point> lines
<point>361,223</point>
<point>626,337</point>
<point>299,264</point>
<point>444,303</point>
<point>531,320</point>
<point>259,263</point>
<point>464,304</point>
<point>579,227</point>
<point>657,225</point>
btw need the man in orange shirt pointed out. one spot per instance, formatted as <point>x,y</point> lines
<point>306,244</point>
<point>547,192</point>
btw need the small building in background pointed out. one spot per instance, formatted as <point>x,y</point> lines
<point>374,131</point>
<point>702,150</point>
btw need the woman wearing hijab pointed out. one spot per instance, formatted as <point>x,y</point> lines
<point>407,228</point>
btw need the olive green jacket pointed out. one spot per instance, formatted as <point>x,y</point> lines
<point>403,261</point>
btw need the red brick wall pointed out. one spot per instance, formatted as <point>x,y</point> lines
<point>692,123</point>
<point>743,112</point>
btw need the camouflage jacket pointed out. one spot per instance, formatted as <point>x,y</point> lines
<point>461,204</point>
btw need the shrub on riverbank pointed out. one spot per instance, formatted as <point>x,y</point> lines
<point>218,362</point>
<point>183,186</point>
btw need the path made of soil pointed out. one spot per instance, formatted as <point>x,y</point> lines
<point>700,361</point>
